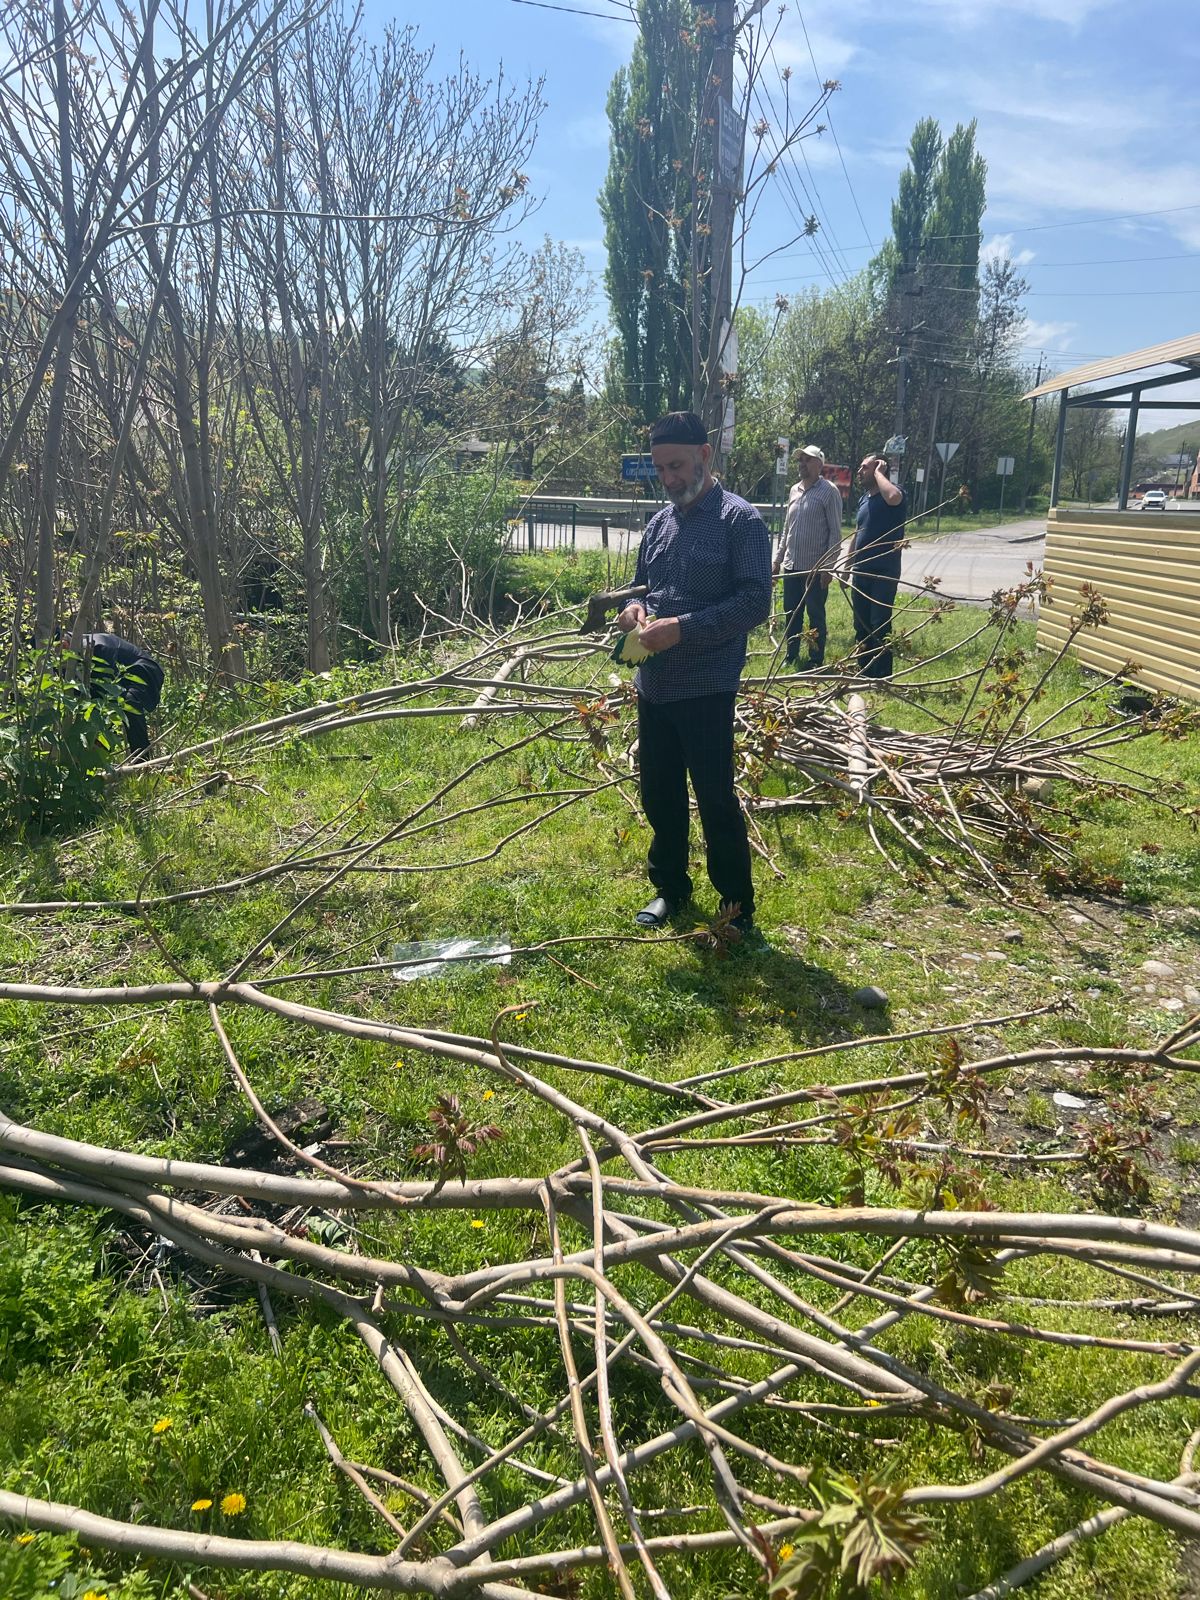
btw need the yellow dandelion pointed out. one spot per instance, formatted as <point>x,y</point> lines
<point>786,1552</point>
<point>201,1505</point>
<point>163,1425</point>
<point>399,1063</point>
<point>233,1505</point>
<point>520,1016</point>
<point>489,1094</point>
<point>476,1222</point>
<point>93,1594</point>
<point>25,1538</point>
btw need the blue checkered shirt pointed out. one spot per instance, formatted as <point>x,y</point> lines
<point>710,568</point>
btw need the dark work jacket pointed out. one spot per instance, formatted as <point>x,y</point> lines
<point>140,675</point>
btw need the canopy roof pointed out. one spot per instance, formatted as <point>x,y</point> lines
<point>1178,352</point>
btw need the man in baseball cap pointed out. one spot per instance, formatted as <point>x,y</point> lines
<point>808,552</point>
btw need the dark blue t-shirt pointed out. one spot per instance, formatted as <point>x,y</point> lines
<point>880,529</point>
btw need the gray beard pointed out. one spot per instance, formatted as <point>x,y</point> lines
<point>684,497</point>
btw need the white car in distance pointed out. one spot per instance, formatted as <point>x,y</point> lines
<point>1154,500</point>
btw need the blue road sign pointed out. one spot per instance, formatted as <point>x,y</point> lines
<point>637,469</point>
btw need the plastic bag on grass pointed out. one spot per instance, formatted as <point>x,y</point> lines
<point>443,958</point>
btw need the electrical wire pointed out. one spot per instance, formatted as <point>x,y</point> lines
<point>575,11</point>
<point>833,131</point>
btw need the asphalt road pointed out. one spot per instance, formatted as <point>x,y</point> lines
<point>971,566</point>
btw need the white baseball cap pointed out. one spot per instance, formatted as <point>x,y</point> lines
<point>810,450</point>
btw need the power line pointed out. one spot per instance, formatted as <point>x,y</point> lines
<point>576,11</point>
<point>833,130</point>
<point>816,204</point>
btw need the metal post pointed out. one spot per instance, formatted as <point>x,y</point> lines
<point>937,406</point>
<point>1029,439</point>
<point>1059,440</point>
<point>529,529</point>
<point>1003,481</point>
<point>604,533</point>
<point>1127,454</point>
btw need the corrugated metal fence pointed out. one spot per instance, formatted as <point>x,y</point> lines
<point>1146,567</point>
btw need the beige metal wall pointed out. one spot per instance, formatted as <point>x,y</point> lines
<point>1147,569</point>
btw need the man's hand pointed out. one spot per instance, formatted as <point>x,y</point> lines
<point>628,619</point>
<point>777,567</point>
<point>660,634</point>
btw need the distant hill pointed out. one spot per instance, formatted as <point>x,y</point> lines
<point>1170,441</point>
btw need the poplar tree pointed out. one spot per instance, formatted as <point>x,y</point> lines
<point>647,203</point>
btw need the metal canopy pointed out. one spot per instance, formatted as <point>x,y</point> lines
<point>1180,352</point>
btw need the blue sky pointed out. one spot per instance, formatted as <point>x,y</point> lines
<point>1087,113</point>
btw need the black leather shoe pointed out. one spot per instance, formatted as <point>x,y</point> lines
<point>657,914</point>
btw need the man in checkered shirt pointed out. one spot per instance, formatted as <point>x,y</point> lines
<point>808,552</point>
<point>706,562</point>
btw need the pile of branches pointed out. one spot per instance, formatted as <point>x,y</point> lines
<point>647,1274</point>
<point>987,795</point>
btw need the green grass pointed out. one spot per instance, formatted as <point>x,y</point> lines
<point>102,1335</point>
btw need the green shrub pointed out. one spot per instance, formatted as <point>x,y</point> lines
<point>58,740</point>
<point>454,538</point>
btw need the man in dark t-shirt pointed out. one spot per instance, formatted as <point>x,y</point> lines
<point>139,679</point>
<point>875,566</point>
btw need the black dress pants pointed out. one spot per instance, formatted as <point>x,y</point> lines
<point>805,591</point>
<point>678,739</point>
<point>872,596</point>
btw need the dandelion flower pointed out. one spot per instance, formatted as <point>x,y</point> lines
<point>476,1222</point>
<point>163,1425</point>
<point>399,1063</point>
<point>520,1016</point>
<point>233,1505</point>
<point>489,1094</point>
<point>93,1594</point>
<point>25,1538</point>
<point>201,1505</point>
<point>786,1552</point>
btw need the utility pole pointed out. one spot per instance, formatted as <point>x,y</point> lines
<point>937,406</point>
<point>1029,436</point>
<point>727,133</point>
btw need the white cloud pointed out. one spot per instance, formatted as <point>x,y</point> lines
<point>970,13</point>
<point>1047,335</point>
<point>1000,248</point>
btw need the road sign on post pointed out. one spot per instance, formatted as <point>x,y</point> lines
<point>637,469</point>
<point>731,138</point>
<point>896,445</point>
<point>781,457</point>
<point>1004,470</point>
<point>946,451</point>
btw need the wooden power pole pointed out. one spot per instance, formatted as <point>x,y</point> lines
<point>728,133</point>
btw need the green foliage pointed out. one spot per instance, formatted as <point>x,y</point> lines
<point>864,1531</point>
<point>45,1566</point>
<point>452,542</point>
<point>58,739</point>
<point>50,1297</point>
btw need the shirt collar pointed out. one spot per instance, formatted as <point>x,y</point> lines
<point>704,500</point>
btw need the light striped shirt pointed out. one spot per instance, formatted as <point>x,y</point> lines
<point>812,527</point>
